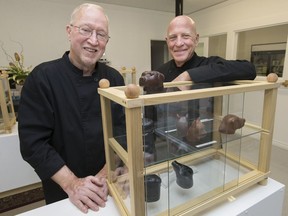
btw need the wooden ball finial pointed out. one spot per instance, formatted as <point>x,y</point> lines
<point>272,77</point>
<point>132,91</point>
<point>104,83</point>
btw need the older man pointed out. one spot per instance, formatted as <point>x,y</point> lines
<point>60,122</point>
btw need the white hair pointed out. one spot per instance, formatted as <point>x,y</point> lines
<point>78,9</point>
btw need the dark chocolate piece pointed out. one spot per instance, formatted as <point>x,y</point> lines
<point>196,131</point>
<point>230,123</point>
<point>152,81</point>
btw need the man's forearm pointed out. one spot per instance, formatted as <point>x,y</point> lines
<point>183,77</point>
<point>64,177</point>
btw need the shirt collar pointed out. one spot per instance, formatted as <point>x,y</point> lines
<point>74,68</point>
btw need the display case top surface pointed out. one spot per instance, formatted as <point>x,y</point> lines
<point>182,91</point>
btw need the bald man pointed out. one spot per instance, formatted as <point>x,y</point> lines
<point>182,39</point>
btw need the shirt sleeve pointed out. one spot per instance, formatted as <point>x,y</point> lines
<point>216,69</point>
<point>35,126</point>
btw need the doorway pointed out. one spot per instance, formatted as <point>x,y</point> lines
<point>159,53</point>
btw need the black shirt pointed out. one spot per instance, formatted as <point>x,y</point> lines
<point>60,120</point>
<point>211,69</point>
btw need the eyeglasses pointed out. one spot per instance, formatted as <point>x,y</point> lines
<point>87,32</point>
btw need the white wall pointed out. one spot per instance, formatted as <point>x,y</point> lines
<point>131,32</point>
<point>241,15</point>
<point>39,25</point>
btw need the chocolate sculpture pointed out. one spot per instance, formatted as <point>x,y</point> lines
<point>152,81</point>
<point>196,131</point>
<point>152,187</point>
<point>184,175</point>
<point>182,125</point>
<point>230,123</point>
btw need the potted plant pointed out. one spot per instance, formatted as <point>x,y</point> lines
<point>16,70</point>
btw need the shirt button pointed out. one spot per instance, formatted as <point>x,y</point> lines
<point>96,79</point>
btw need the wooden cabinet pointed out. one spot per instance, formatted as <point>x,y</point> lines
<point>224,163</point>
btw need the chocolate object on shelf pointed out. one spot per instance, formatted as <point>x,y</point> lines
<point>184,175</point>
<point>152,187</point>
<point>230,123</point>
<point>152,81</point>
<point>182,125</point>
<point>196,131</point>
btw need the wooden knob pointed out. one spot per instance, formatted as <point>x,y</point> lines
<point>272,77</point>
<point>132,91</point>
<point>104,83</point>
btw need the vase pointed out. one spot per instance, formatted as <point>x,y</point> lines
<point>184,175</point>
<point>152,187</point>
<point>18,87</point>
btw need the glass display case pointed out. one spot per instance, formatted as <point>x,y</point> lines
<point>189,146</point>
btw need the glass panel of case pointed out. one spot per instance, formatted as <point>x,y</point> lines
<point>121,182</point>
<point>171,142</point>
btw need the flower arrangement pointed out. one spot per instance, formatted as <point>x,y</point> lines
<point>16,69</point>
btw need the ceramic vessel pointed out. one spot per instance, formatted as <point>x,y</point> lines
<point>152,187</point>
<point>184,175</point>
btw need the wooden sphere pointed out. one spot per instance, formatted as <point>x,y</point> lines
<point>272,77</point>
<point>132,91</point>
<point>104,83</point>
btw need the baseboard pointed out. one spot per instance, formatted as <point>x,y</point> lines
<point>21,199</point>
<point>280,144</point>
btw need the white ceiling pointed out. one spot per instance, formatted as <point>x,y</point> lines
<point>189,6</point>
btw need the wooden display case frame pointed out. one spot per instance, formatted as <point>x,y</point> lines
<point>134,159</point>
<point>132,72</point>
<point>6,104</point>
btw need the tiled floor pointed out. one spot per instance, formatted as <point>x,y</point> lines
<point>279,164</point>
